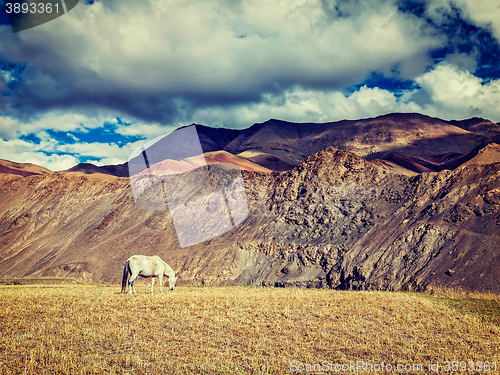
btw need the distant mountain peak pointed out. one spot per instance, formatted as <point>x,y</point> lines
<point>22,169</point>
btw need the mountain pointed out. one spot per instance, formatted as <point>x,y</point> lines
<point>488,155</point>
<point>120,170</point>
<point>406,143</point>
<point>223,157</point>
<point>21,169</point>
<point>410,142</point>
<point>86,168</point>
<point>336,220</point>
<point>169,166</point>
<point>477,125</point>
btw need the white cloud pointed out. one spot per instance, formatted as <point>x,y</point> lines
<point>54,155</point>
<point>463,61</point>
<point>7,127</point>
<point>451,92</point>
<point>456,93</point>
<point>108,153</point>
<point>300,105</point>
<point>147,130</point>
<point>25,152</point>
<point>11,127</point>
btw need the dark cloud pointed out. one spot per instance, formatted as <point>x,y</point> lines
<point>173,62</point>
<point>162,63</point>
<point>463,36</point>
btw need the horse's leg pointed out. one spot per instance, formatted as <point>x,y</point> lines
<point>131,283</point>
<point>152,283</point>
<point>160,280</point>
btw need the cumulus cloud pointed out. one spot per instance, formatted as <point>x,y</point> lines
<point>26,152</point>
<point>3,86</point>
<point>448,92</point>
<point>13,127</point>
<point>7,127</point>
<point>299,105</point>
<point>159,60</point>
<point>56,156</point>
<point>147,130</point>
<point>52,153</point>
<point>455,92</point>
<point>108,153</point>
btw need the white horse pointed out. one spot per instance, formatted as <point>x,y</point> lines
<point>144,266</point>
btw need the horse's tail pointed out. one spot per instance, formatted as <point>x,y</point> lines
<point>126,274</point>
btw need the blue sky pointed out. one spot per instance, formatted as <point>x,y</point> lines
<point>94,84</point>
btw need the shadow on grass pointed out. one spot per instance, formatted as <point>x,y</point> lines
<point>485,306</point>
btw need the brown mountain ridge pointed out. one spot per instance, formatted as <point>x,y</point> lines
<point>21,169</point>
<point>406,143</point>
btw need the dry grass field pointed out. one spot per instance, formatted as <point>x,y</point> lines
<point>92,329</point>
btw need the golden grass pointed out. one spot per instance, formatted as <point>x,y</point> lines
<point>92,329</point>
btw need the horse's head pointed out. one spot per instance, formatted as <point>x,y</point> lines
<point>171,282</point>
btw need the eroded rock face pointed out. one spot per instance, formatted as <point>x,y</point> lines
<point>335,221</point>
<point>338,221</point>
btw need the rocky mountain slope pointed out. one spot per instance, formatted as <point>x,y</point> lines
<point>336,220</point>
